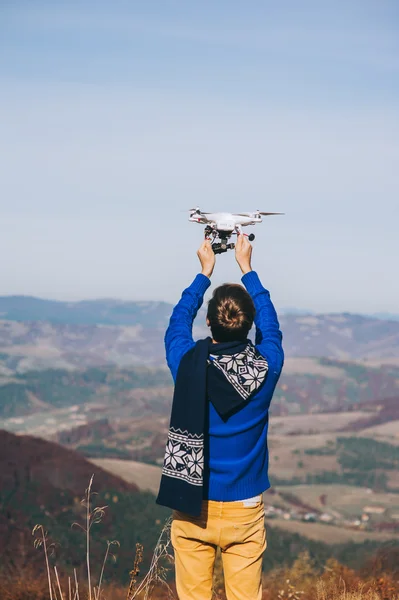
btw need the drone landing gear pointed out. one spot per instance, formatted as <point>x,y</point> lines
<point>224,244</point>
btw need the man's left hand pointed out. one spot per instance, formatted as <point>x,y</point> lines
<point>207,258</point>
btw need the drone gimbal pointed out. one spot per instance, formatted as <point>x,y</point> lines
<point>223,245</point>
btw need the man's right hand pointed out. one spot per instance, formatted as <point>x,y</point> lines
<point>243,253</point>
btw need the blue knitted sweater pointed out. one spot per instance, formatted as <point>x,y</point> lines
<point>238,453</point>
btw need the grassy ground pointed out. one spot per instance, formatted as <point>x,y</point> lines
<point>147,477</point>
<point>329,534</point>
<point>386,430</point>
<point>315,423</point>
<point>345,499</point>
<point>302,580</point>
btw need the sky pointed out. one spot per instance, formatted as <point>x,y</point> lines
<point>116,117</point>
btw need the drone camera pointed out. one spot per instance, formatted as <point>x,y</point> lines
<point>221,247</point>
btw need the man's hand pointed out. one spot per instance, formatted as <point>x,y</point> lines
<point>207,258</point>
<point>243,253</point>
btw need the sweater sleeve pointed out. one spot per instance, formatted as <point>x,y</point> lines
<point>179,336</point>
<point>268,338</point>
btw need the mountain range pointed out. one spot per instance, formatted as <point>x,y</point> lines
<point>85,312</point>
<point>40,334</point>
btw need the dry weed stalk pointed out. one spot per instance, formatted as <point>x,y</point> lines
<point>100,581</point>
<point>324,592</point>
<point>155,576</point>
<point>55,591</point>
<point>135,572</point>
<point>38,543</point>
<point>58,583</point>
<point>76,595</point>
<point>157,572</point>
<point>289,592</point>
<point>92,517</point>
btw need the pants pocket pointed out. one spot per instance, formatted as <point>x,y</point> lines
<point>245,515</point>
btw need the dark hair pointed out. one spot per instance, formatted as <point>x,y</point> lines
<point>231,313</point>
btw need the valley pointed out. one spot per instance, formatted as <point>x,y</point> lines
<point>91,381</point>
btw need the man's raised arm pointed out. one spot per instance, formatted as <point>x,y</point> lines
<point>268,335</point>
<point>179,336</point>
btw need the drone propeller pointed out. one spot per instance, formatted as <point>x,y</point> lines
<point>266,214</point>
<point>196,210</point>
<point>258,212</point>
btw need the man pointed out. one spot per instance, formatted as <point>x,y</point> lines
<point>216,460</point>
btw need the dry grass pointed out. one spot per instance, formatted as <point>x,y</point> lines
<point>302,581</point>
<point>68,586</point>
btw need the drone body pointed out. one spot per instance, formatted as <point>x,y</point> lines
<point>223,225</point>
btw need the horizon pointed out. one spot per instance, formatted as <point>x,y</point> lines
<point>118,118</point>
<point>284,311</point>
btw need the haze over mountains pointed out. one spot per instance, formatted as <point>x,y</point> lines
<point>110,311</point>
<point>38,334</point>
<point>102,311</point>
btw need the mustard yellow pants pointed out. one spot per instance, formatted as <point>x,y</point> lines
<point>238,529</point>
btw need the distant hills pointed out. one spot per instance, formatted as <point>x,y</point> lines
<point>54,355</point>
<point>45,402</point>
<point>40,334</point>
<point>86,312</point>
<point>384,316</point>
<point>343,336</point>
<point>111,311</point>
<point>138,391</point>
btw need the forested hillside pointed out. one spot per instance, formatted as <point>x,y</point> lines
<point>42,483</point>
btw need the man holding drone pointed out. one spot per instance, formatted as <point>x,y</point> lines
<point>216,461</point>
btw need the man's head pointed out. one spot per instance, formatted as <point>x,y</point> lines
<point>231,313</point>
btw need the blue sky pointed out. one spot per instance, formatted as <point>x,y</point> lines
<point>117,116</point>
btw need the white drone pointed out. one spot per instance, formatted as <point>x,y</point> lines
<point>223,225</point>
